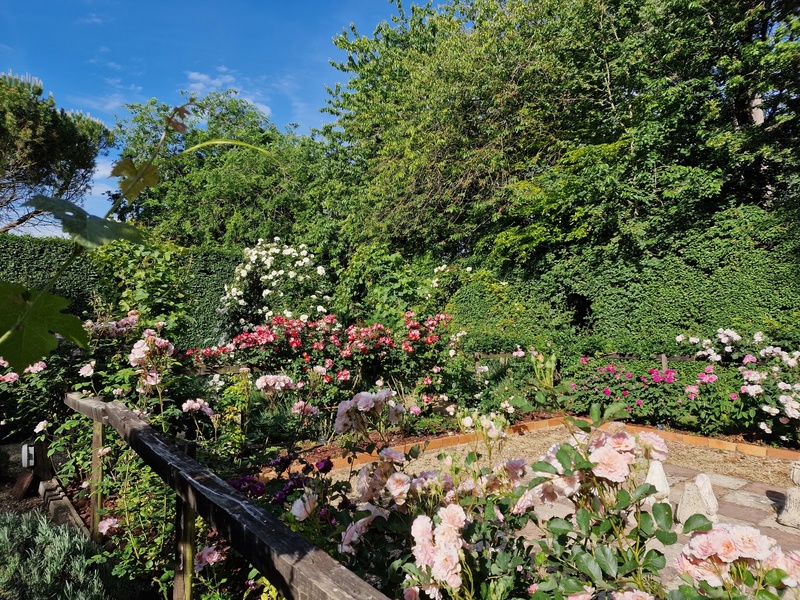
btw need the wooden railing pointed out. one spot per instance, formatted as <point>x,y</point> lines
<point>297,568</point>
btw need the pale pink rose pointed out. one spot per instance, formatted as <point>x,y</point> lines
<point>392,455</point>
<point>516,468</point>
<point>791,564</point>
<point>415,410</point>
<point>584,595</point>
<point>621,442</point>
<point>453,516</point>
<point>103,451</point>
<point>398,485</point>
<point>752,543</point>
<point>37,367</point>
<point>411,593</point>
<point>303,408</point>
<point>106,524</point>
<point>364,401</point>
<point>207,556</point>
<point>87,370</point>
<point>547,492</point>
<point>654,445</point>
<point>9,378</point>
<point>446,566</point>
<point>711,571</point>
<point>610,465</point>
<point>304,506</point>
<point>40,426</point>
<point>524,503</point>
<point>532,588</point>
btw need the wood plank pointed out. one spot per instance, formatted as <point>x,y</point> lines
<point>291,563</point>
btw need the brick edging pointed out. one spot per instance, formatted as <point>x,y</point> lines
<point>521,428</point>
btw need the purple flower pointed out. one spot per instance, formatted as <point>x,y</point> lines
<point>324,465</point>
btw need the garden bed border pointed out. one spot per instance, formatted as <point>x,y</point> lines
<point>522,428</point>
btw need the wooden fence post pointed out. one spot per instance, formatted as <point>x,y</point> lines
<point>664,364</point>
<point>96,479</point>
<point>185,545</point>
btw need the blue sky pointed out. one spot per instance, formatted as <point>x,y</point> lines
<point>95,56</point>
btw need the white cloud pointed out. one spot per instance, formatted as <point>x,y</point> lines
<point>204,83</point>
<point>102,171</point>
<point>91,19</point>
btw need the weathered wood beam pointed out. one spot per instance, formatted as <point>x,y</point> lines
<point>299,570</point>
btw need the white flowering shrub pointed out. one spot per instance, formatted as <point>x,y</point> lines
<point>274,279</point>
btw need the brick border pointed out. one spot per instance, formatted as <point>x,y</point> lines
<point>522,428</point>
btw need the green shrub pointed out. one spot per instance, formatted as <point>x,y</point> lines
<point>42,561</point>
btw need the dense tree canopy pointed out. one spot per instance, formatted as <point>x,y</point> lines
<point>220,194</point>
<point>43,150</point>
<point>516,128</point>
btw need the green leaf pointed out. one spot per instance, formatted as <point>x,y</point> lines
<point>775,577</point>
<point>583,519</point>
<point>134,180</point>
<point>587,565</point>
<point>559,526</point>
<point>654,560</point>
<point>594,414</point>
<point>666,537</point>
<point>643,491</point>
<point>543,467</point>
<point>763,594</point>
<point>414,451</point>
<point>618,410</point>
<point>697,523</point>
<point>623,500</point>
<point>85,229</point>
<point>607,560</point>
<point>662,513</point>
<point>29,321</point>
<point>646,524</point>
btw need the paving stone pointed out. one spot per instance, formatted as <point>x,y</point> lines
<point>748,499</point>
<point>725,481</point>
<point>795,472</point>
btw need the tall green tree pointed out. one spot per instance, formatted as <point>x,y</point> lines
<point>517,129</point>
<point>43,150</point>
<point>219,194</point>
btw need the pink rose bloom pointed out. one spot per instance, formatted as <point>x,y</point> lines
<point>411,593</point>
<point>343,375</point>
<point>207,556</point>
<point>654,445</point>
<point>9,378</point>
<point>621,442</point>
<point>584,360</point>
<point>392,455</point>
<point>607,392</point>
<point>532,588</point>
<point>398,485</point>
<point>610,464</point>
<point>415,410</point>
<point>106,524</point>
<point>36,367</point>
<point>711,571</point>
<point>303,408</point>
<point>453,516</point>
<point>749,358</point>
<point>304,506</point>
<point>364,401</point>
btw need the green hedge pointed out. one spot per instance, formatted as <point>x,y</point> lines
<point>32,261</point>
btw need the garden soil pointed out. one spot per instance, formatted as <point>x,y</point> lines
<point>533,444</point>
